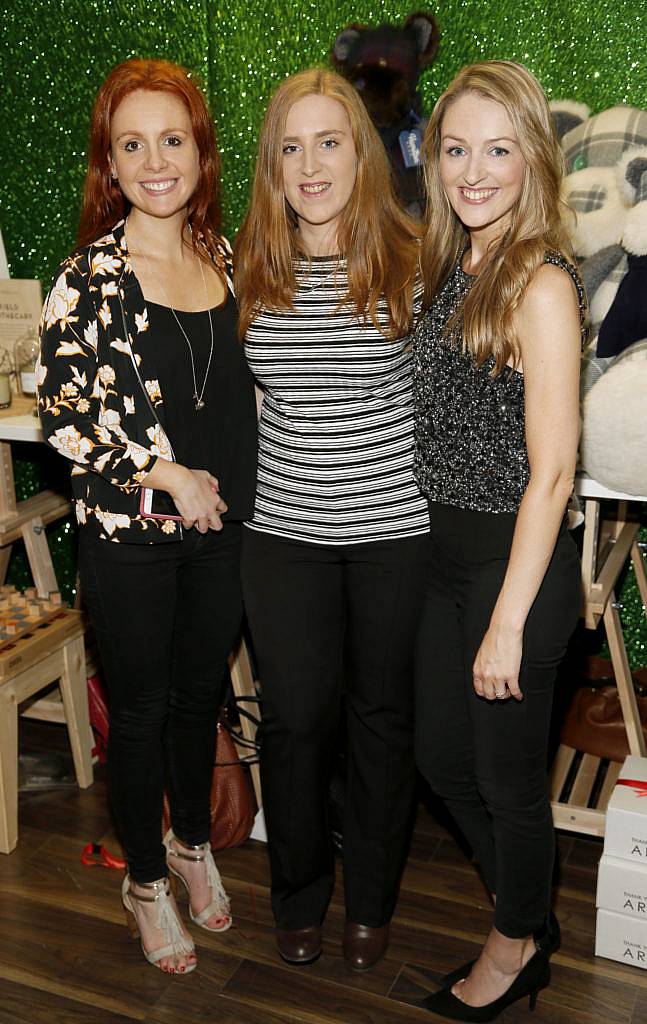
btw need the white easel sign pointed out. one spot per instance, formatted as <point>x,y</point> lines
<point>20,305</point>
<point>4,266</point>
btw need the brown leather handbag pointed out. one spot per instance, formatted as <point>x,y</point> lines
<point>232,805</point>
<point>594,722</point>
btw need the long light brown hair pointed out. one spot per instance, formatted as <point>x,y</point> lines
<point>536,220</point>
<point>375,235</point>
<point>103,201</point>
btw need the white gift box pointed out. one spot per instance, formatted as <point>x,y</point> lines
<point>620,937</point>
<point>626,827</point>
<point>622,887</point>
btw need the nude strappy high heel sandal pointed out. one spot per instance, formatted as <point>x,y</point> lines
<point>220,901</point>
<point>166,921</point>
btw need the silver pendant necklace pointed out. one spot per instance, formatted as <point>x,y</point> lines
<point>198,396</point>
<point>318,282</point>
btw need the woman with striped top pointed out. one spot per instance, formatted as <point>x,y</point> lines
<point>335,555</point>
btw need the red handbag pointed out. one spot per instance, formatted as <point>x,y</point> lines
<point>99,717</point>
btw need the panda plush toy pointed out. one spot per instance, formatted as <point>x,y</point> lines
<point>606,186</point>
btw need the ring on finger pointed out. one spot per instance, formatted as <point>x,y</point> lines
<point>500,695</point>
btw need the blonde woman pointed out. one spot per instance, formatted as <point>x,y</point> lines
<point>496,380</point>
<point>335,555</point>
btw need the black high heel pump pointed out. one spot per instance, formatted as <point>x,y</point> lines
<point>548,938</point>
<point>531,979</point>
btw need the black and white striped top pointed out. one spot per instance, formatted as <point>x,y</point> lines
<point>336,428</point>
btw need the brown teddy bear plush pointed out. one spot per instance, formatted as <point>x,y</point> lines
<point>384,65</point>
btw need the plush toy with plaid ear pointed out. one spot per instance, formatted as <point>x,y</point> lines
<point>384,65</point>
<point>606,186</point>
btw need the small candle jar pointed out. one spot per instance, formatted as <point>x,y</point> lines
<point>5,379</point>
<point>5,390</point>
<point>25,356</point>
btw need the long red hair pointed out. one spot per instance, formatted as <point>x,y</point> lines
<point>103,201</point>
<point>377,237</point>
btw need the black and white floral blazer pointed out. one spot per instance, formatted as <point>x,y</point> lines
<point>99,399</point>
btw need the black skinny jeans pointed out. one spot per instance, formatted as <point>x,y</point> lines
<point>327,619</point>
<point>165,617</point>
<point>487,759</point>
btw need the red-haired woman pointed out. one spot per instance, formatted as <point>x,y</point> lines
<point>334,557</point>
<point>142,385</point>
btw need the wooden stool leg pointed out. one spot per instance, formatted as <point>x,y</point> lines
<point>5,558</point>
<point>7,486</point>
<point>641,572</point>
<point>242,681</point>
<point>74,691</point>
<point>39,556</point>
<point>8,773</point>
<point>624,682</point>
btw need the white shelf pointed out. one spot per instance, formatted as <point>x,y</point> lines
<point>587,487</point>
<point>20,428</point>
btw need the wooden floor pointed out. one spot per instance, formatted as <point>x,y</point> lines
<point>66,955</point>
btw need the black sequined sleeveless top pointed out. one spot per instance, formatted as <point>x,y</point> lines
<point>470,442</point>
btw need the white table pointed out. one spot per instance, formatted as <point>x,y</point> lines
<point>26,519</point>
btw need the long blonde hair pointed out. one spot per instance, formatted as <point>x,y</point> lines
<point>377,238</point>
<point>536,220</point>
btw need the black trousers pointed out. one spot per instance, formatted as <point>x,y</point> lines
<point>487,759</point>
<point>327,620</point>
<point>165,617</point>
